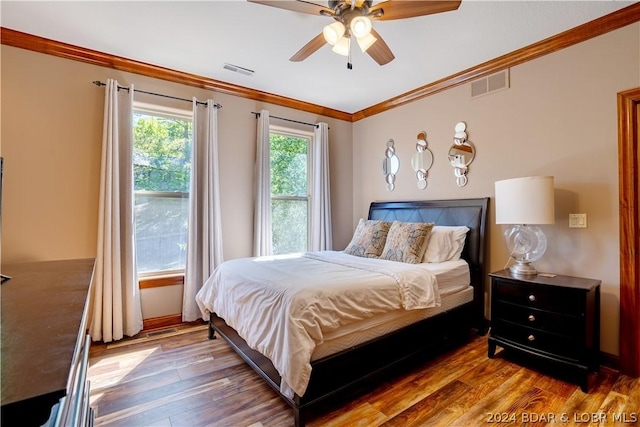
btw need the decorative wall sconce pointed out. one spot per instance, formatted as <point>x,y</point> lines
<point>390,165</point>
<point>422,160</point>
<point>461,154</point>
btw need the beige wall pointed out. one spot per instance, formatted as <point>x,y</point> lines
<point>51,141</point>
<point>558,118</point>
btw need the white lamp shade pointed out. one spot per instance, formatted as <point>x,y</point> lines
<point>528,200</point>
<point>365,42</point>
<point>342,47</point>
<point>360,26</point>
<point>333,33</point>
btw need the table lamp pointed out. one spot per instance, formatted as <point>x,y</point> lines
<point>524,203</point>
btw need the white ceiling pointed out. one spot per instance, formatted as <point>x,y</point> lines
<point>200,37</point>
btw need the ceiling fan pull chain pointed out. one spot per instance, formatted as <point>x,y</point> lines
<point>349,64</point>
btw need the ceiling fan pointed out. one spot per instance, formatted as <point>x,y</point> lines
<point>353,18</point>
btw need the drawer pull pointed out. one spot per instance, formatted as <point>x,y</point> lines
<point>532,318</point>
<point>532,297</point>
<point>531,338</point>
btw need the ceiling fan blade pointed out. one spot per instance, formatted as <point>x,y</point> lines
<point>297,6</point>
<point>379,51</point>
<point>399,9</point>
<point>316,43</point>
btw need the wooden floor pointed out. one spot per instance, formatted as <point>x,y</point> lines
<point>183,379</point>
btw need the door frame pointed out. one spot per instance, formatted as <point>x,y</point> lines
<point>628,111</point>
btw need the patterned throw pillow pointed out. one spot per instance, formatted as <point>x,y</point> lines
<point>407,241</point>
<point>368,239</point>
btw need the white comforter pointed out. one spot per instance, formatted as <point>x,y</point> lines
<point>283,305</point>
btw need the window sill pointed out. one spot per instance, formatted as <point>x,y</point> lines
<point>160,281</point>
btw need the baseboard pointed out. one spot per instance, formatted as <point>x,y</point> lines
<point>161,322</point>
<point>610,360</point>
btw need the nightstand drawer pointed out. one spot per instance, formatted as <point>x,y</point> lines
<point>535,339</point>
<point>541,297</point>
<point>538,319</point>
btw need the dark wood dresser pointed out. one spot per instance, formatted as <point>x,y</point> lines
<point>44,342</point>
<point>555,319</point>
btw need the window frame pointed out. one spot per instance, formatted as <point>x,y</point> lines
<point>153,279</point>
<point>308,136</point>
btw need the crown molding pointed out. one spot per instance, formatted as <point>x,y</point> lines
<point>597,27</point>
<point>76,53</point>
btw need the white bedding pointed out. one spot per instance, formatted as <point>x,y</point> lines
<point>369,329</point>
<point>452,278</point>
<point>284,305</point>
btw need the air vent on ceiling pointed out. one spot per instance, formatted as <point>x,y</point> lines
<point>237,69</point>
<point>492,83</point>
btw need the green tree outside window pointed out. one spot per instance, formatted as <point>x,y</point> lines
<point>289,193</point>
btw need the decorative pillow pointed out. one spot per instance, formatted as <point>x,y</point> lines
<point>407,241</point>
<point>446,243</point>
<point>369,238</point>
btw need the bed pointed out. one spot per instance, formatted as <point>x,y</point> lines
<point>346,342</point>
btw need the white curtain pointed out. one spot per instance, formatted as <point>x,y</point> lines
<point>204,239</point>
<point>116,309</point>
<point>262,217</point>
<point>320,194</point>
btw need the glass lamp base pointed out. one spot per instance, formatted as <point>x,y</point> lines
<point>526,244</point>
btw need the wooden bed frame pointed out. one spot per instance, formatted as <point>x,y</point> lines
<point>361,367</point>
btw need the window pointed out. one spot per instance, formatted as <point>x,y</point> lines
<point>161,168</point>
<point>289,190</point>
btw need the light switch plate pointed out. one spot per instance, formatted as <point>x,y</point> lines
<point>577,220</point>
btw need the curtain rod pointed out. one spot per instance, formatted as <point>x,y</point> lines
<point>216,105</point>
<point>288,120</point>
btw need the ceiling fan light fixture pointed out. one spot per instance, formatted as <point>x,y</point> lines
<point>365,42</point>
<point>333,33</point>
<point>360,26</point>
<point>342,47</point>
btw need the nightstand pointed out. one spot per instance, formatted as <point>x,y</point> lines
<point>555,319</point>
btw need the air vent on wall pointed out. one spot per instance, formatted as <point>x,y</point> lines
<point>237,69</point>
<point>492,83</point>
